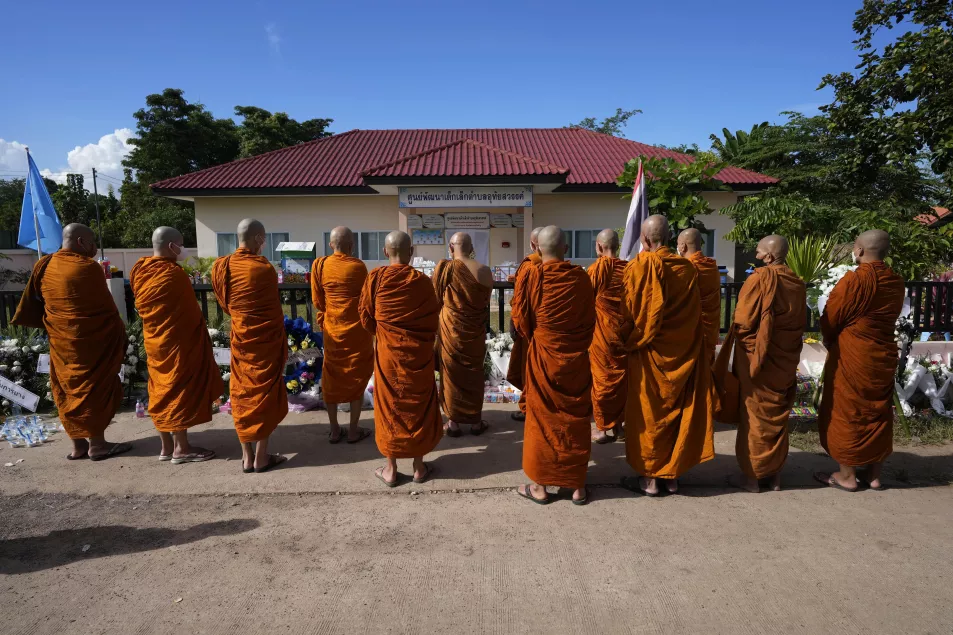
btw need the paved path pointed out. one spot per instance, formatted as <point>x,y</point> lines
<point>319,546</point>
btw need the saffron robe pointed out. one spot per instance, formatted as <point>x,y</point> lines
<point>607,354</point>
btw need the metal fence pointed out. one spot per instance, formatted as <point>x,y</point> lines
<point>931,305</point>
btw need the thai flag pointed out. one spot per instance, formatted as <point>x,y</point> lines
<point>638,212</point>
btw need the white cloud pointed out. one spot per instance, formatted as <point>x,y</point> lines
<point>274,38</point>
<point>12,159</point>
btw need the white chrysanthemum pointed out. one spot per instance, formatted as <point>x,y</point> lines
<point>36,348</point>
<point>4,368</point>
<point>25,349</point>
<point>133,360</point>
<point>226,376</point>
<point>5,403</point>
<point>49,396</point>
<point>132,339</point>
<point>130,349</point>
<point>213,333</point>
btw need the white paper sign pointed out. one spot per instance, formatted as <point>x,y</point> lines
<point>464,220</point>
<point>433,221</point>
<point>501,220</point>
<point>455,196</point>
<point>18,394</point>
<point>517,220</point>
<point>415,221</point>
<point>223,356</point>
<point>122,373</point>
<point>43,364</point>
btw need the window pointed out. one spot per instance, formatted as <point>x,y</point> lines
<point>582,243</point>
<point>8,239</point>
<point>708,243</point>
<point>227,243</point>
<point>369,245</point>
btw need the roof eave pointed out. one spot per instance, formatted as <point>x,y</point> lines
<point>503,179</point>
<point>262,191</point>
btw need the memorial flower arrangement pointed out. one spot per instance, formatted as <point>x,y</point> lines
<point>134,358</point>
<point>303,372</point>
<point>300,335</point>
<point>19,351</point>
<point>221,338</point>
<point>305,376</point>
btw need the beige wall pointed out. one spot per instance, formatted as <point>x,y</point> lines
<point>122,259</point>
<point>306,218</point>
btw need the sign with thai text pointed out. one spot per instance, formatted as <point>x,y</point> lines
<point>517,220</point>
<point>415,221</point>
<point>433,221</point>
<point>43,364</point>
<point>18,394</point>
<point>467,220</point>
<point>451,196</point>
<point>501,220</point>
<point>223,356</point>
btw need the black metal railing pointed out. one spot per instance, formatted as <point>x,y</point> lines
<point>729,302</point>
<point>295,300</point>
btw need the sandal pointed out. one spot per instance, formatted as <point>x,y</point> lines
<point>362,434</point>
<point>379,473</point>
<point>273,460</point>
<point>165,457</point>
<point>116,449</point>
<point>193,457</point>
<point>865,483</point>
<point>582,501</point>
<point>605,438</point>
<point>477,430</point>
<point>632,484</point>
<point>828,479</point>
<point>450,432</point>
<point>427,475</point>
<point>335,440</point>
<point>84,455</point>
<point>518,416</point>
<point>528,493</point>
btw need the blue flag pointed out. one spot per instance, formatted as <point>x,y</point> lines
<point>37,203</point>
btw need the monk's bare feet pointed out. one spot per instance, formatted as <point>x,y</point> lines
<point>80,449</point>
<point>452,429</point>
<point>649,485</point>
<point>100,450</point>
<point>248,457</point>
<point>741,481</point>
<point>602,438</point>
<point>671,485</point>
<point>388,474</point>
<point>775,482</point>
<point>168,444</point>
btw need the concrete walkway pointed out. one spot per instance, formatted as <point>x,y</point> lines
<point>320,546</point>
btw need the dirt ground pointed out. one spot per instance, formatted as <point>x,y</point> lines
<point>132,545</point>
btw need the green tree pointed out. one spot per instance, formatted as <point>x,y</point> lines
<point>675,189</point>
<point>263,131</point>
<point>175,137</point>
<point>70,201</point>
<point>611,125</point>
<point>730,148</point>
<point>899,103</point>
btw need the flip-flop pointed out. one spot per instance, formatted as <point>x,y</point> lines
<point>194,457</point>
<point>335,440</point>
<point>867,485</point>
<point>477,430</point>
<point>528,493</point>
<point>518,416</point>
<point>603,440</point>
<point>165,457</point>
<point>582,501</point>
<point>247,470</point>
<point>450,432</point>
<point>830,481</point>
<point>116,449</point>
<point>84,455</point>
<point>427,475</point>
<point>273,460</point>
<point>364,433</point>
<point>379,473</point>
<point>627,483</point>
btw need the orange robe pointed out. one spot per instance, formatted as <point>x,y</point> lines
<point>336,283</point>
<point>554,311</point>
<point>668,414</point>
<point>856,417</point>
<point>461,340</point>
<point>246,286</point>
<point>398,305</point>
<point>67,295</point>
<point>514,373</point>
<point>769,322</point>
<point>709,285</point>
<point>184,379</point>
<point>607,354</point>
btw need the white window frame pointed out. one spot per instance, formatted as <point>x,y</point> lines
<point>267,233</point>
<point>358,235</point>
<point>571,238</point>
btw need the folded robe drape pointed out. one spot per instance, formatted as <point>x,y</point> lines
<point>709,286</point>
<point>607,354</point>
<point>515,372</point>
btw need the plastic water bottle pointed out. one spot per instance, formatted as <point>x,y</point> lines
<point>16,410</point>
<point>281,276</point>
<point>140,409</point>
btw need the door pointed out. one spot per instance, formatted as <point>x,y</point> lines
<point>481,243</point>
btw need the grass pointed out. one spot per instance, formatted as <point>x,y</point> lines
<point>926,428</point>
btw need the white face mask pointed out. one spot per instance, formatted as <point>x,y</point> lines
<point>179,252</point>
<point>855,258</point>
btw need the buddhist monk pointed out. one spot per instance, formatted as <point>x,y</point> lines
<point>668,412</point>
<point>607,354</point>
<point>246,286</point>
<point>67,295</point>
<point>769,323</point>
<point>856,415</point>
<point>514,373</point>
<point>554,311</point>
<point>399,307</point>
<point>463,287</point>
<point>184,379</point>
<point>709,285</point>
<point>336,283</point>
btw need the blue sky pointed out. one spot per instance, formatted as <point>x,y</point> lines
<point>692,66</point>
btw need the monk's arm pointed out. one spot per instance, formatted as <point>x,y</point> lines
<point>747,315</point>
<point>366,307</point>
<point>838,308</point>
<point>317,291</point>
<point>597,275</point>
<point>645,301</point>
<point>519,305</point>
<point>219,283</point>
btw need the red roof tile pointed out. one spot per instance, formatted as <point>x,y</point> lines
<point>465,157</point>
<point>939,214</point>
<point>340,162</point>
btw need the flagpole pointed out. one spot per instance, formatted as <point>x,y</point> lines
<point>99,223</point>
<point>36,222</point>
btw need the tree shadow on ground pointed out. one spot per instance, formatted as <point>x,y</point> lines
<point>62,547</point>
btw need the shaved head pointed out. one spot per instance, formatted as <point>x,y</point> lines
<point>655,232</point>
<point>397,248</point>
<point>534,238</point>
<point>607,243</point>
<point>689,242</point>
<point>342,240</point>
<point>552,243</point>
<point>461,245</point>
<point>251,234</point>
<point>773,249</point>
<point>162,237</point>
<point>872,246</point>
<point>79,239</point>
